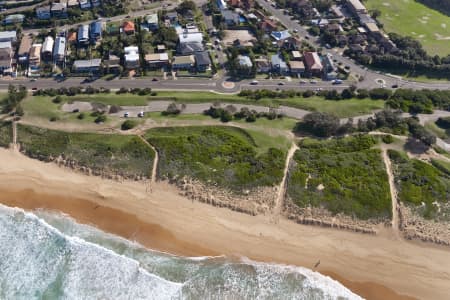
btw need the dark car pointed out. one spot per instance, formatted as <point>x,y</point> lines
<point>155,79</point>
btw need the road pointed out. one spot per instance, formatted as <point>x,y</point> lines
<point>181,84</point>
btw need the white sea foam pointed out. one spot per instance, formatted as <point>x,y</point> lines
<point>50,255</point>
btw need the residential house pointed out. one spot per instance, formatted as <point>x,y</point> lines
<point>83,34</point>
<point>269,25</point>
<point>59,51</point>
<point>47,48</point>
<point>189,48</point>
<point>85,4</point>
<point>95,30</point>
<point>35,56</point>
<point>13,19</point>
<point>187,37</point>
<point>280,35</point>
<point>296,55</point>
<point>59,9</point>
<point>151,22</point>
<point>72,37</point>
<point>297,67</point>
<point>112,64</point>
<point>131,57</point>
<point>244,61</point>
<point>230,18</point>
<point>157,60</point>
<point>8,36</point>
<point>185,62</point>
<point>87,66</point>
<point>128,27</point>
<point>356,7</point>
<point>202,61</point>
<point>262,65</point>
<point>6,55</point>
<point>172,17</point>
<point>313,63</point>
<point>43,12</point>
<point>279,66</point>
<point>72,3</point>
<point>334,28</point>
<point>24,49</point>
<point>96,3</point>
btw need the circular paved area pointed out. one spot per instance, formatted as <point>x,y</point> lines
<point>228,85</point>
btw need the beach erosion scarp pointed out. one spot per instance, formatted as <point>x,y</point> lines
<point>183,227</point>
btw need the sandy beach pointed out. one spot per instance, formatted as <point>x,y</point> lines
<point>375,267</point>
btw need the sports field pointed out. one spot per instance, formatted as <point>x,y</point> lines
<point>410,18</point>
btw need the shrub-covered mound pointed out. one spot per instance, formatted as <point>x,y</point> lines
<point>216,155</point>
<point>424,186</point>
<point>342,175</point>
<point>103,153</point>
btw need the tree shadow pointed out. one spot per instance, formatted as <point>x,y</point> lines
<point>415,146</point>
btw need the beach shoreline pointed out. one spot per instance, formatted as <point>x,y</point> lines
<point>371,266</point>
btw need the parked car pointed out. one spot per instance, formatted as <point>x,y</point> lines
<point>254,82</point>
<point>336,81</point>
<point>141,114</point>
<point>155,79</point>
<point>313,81</point>
<point>126,114</point>
<point>302,81</point>
<point>280,83</point>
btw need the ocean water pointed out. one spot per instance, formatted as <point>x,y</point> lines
<point>48,255</point>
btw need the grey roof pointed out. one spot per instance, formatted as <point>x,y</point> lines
<point>229,15</point>
<point>202,58</point>
<point>83,32</point>
<point>4,45</point>
<point>277,61</point>
<point>188,48</point>
<point>60,46</point>
<point>96,62</point>
<point>7,36</point>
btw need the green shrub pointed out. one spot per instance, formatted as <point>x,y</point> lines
<point>128,124</point>
<point>100,119</point>
<point>387,139</point>
<point>81,116</point>
<point>57,100</point>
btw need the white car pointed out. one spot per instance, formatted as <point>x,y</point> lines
<point>254,82</point>
<point>141,114</point>
<point>126,114</point>
<point>313,81</point>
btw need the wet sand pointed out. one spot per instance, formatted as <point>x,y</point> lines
<point>375,267</point>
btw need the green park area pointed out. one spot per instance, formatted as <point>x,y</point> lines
<point>343,175</point>
<point>411,18</point>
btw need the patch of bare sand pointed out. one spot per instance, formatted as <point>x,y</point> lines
<point>166,221</point>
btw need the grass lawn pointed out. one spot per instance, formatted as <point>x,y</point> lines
<point>351,172</point>
<point>126,155</point>
<point>228,157</point>
<point>410,18</point>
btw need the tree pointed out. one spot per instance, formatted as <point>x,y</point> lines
<point>320,124</point>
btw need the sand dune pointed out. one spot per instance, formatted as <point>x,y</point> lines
<point>369,265</point>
